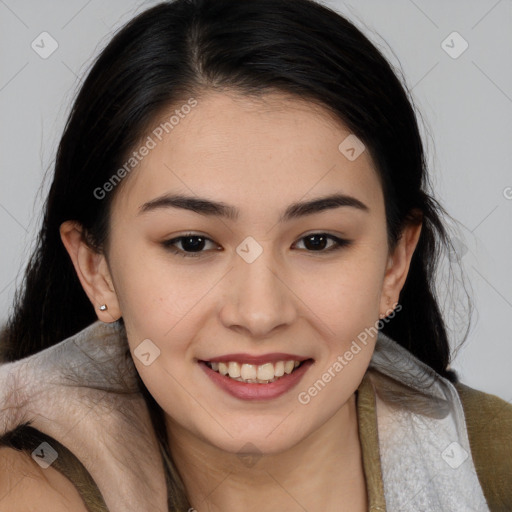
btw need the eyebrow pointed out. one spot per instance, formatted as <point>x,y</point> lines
<point>208,207</point>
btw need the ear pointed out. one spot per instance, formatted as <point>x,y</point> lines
<point>92,270</point>
<point>399,262</point>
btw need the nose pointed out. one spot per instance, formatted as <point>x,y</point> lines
<point>258,299</point>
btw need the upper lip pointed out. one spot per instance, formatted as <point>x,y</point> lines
<point>257,360</point>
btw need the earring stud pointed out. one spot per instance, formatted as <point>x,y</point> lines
<point>103,307</point>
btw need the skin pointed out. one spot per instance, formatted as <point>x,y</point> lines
<point>258,156</point>
<point>45,490</point>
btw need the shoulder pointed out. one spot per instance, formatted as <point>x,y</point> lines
<point>24,486</point>
<point>486,415</point>
<point>489,426</point>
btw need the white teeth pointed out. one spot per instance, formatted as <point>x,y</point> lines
<point>251,373</point>
<point>234,369</point>
<point>248,371</point>
<point>266,371</point>
<point>288,367</point>
<point>279,369</point>
<point>223,368</point>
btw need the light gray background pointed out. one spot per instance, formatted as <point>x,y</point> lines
<point>466,103</point>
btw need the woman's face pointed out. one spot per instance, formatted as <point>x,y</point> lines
<point>262,277</point>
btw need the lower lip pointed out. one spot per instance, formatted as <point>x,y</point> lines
<point>254,391</point>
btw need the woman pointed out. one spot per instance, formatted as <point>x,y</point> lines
<point>232,302</point>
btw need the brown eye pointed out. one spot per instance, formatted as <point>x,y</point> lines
<point>317,242</point>
<point>192,245</point>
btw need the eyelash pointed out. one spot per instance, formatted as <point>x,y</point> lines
<point>169,244</point>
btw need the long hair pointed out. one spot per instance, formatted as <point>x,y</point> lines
<point>186,48</point>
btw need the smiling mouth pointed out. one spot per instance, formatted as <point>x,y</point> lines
<point>255,374</point>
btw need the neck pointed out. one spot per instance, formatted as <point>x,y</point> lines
<point>322,472</point>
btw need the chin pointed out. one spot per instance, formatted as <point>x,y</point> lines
<point>258,441</point>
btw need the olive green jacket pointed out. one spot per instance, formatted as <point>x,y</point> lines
<point>488,422</point>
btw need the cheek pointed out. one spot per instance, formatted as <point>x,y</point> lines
<point>347,298</point>
<point>348,304</point>
<point>157,302</point>
<point>349,307</point>
<point>154,294</point>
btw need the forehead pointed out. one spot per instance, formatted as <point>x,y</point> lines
<point>274,148</point>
